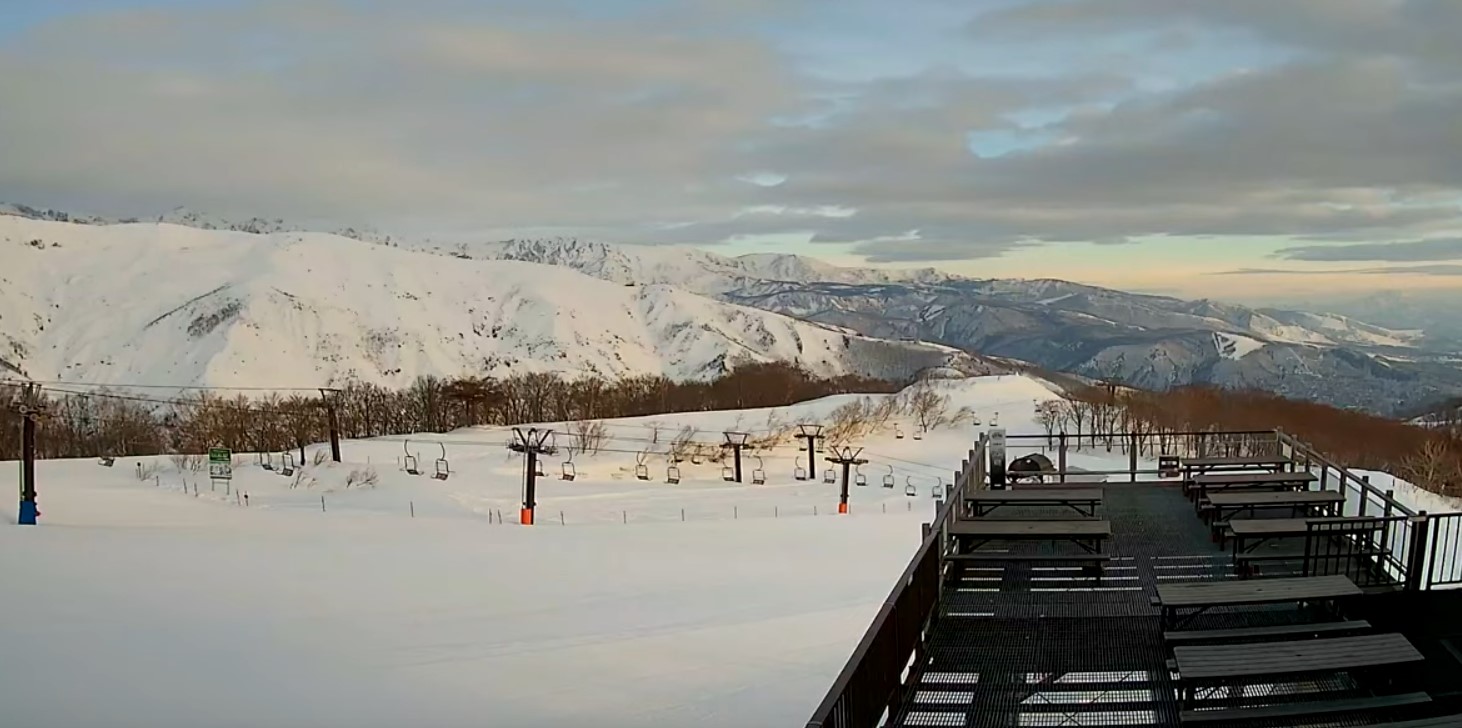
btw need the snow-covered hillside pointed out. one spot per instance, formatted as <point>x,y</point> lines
<point>161,303</point>
<point>406,602</point>
<point>693,269</point>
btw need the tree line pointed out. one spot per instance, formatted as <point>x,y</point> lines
<point>117,424</point>
<point>1430,457</point>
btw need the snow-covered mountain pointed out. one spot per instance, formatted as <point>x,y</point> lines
<point>162,303</point>
<point>1142,340</point>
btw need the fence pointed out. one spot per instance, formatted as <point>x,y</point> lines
<point>1444,560</point>
<point>872,683</point>
<point>1138,446</point>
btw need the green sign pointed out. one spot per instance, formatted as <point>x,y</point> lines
<point>220,463</point>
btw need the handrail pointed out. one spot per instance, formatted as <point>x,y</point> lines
<point>1364,486</point>
<point>850,704</point>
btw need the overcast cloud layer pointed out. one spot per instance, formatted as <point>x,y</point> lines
<point>1331,121</point>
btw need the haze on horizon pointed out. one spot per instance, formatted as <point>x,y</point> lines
<point>1242,149</point>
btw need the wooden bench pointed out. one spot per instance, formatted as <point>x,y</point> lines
<point>1267,661</point>
<point>1262,633</point>
<point>1092,562</point>
<point>1439,721</point>
<point>1199,485</point>
<point>1325,501</point>
<point>1305,709</point>
<point>1082,500</point>
<point>1204,596</point>
<point>970,534</point>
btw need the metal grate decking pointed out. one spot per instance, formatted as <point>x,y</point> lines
<point>1024,645</point>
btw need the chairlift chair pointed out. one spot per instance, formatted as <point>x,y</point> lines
<point>918,434</point>
<point>695,458</point>
<point>977,420</point>
<point>266,461</point>
<point>106,461</point>
<point>799,473</point>
<point>888,479</point>
<point>898,432</point>
<point>444,468</point>
<point>642,471</point>
<point>759,476</point>
<point>858,477</point>
<point>728,473</point>
<point>568,468</point>
<point>830,476</point>
<point>672,474</point>
<point>408,463</point>
<point>286,464</point>
<point>909,489</point>
<point>538,469</point>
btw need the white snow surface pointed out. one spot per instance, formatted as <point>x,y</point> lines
<point>154,607</point>
<point>1235,346</point>
<point>156,303</point>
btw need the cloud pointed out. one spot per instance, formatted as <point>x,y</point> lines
<point>1441,269</point>
<point>1413,250</point>
<point>660,122</point>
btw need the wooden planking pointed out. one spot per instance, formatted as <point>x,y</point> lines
<point>1304,656</point>
<point>1256,591</point>
<point>1299,526</point>
<point>1253,478</point>
<point>1036,495</point>
<point>1284,630</point>
<point>1256,461</point>
<point>988,528</point>
<point>1440,721</point>
<point>1306,709</point>
<point>1276,498</point>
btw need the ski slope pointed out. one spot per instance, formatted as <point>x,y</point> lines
<point>156,607</point>
<point>409,602</point>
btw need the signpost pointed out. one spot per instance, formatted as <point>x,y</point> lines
<point>997,458</point>
<point>220,464</point>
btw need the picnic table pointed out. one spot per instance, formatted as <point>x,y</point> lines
<point>1260,662</point>
<point>1201,597</point>
<point>1198,486</point>
<point>1325,501</point>
<point>1250,533</point>
<point>1081,500</point>
<point>1192,466</point>
<point>971,534</point>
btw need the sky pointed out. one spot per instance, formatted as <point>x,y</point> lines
<point>1238,149</point>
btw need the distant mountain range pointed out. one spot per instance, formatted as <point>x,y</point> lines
<point>159,303</point>
<point>315,307</point>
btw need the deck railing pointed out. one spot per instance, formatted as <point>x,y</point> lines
<point>872,683</point>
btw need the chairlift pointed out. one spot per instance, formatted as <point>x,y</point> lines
<point>758,476</point>
<point>672,474</point>
<point>977,420</point>
<point>568,468</point>
<point>858,477</point>
<point>937,491</point>
<point>538,469</point>
<point>728,473</point>
<point>918,433</point>
<point>995,419</point>
<point>444,468</point>
<point>898,432</point>
<point>909,489</point>
<point>266,461</point>
<point>408,463</point>
<point>695,458</point>
<point>799,473</point>
<point>830,476</point>
<point>106,461</point>
<point>642,471</point>
<point>888,479</point>
<point>286,464</point>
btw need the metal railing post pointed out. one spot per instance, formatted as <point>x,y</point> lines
<point>1416,552</point>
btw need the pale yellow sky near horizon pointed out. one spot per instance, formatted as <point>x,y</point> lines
<point>1183,267</point>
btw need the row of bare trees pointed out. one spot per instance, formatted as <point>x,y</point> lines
<point>1430,457</point>
<point>117,423</point>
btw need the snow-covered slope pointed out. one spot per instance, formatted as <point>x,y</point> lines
<point>693,269</point>
<point>160,303</point>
